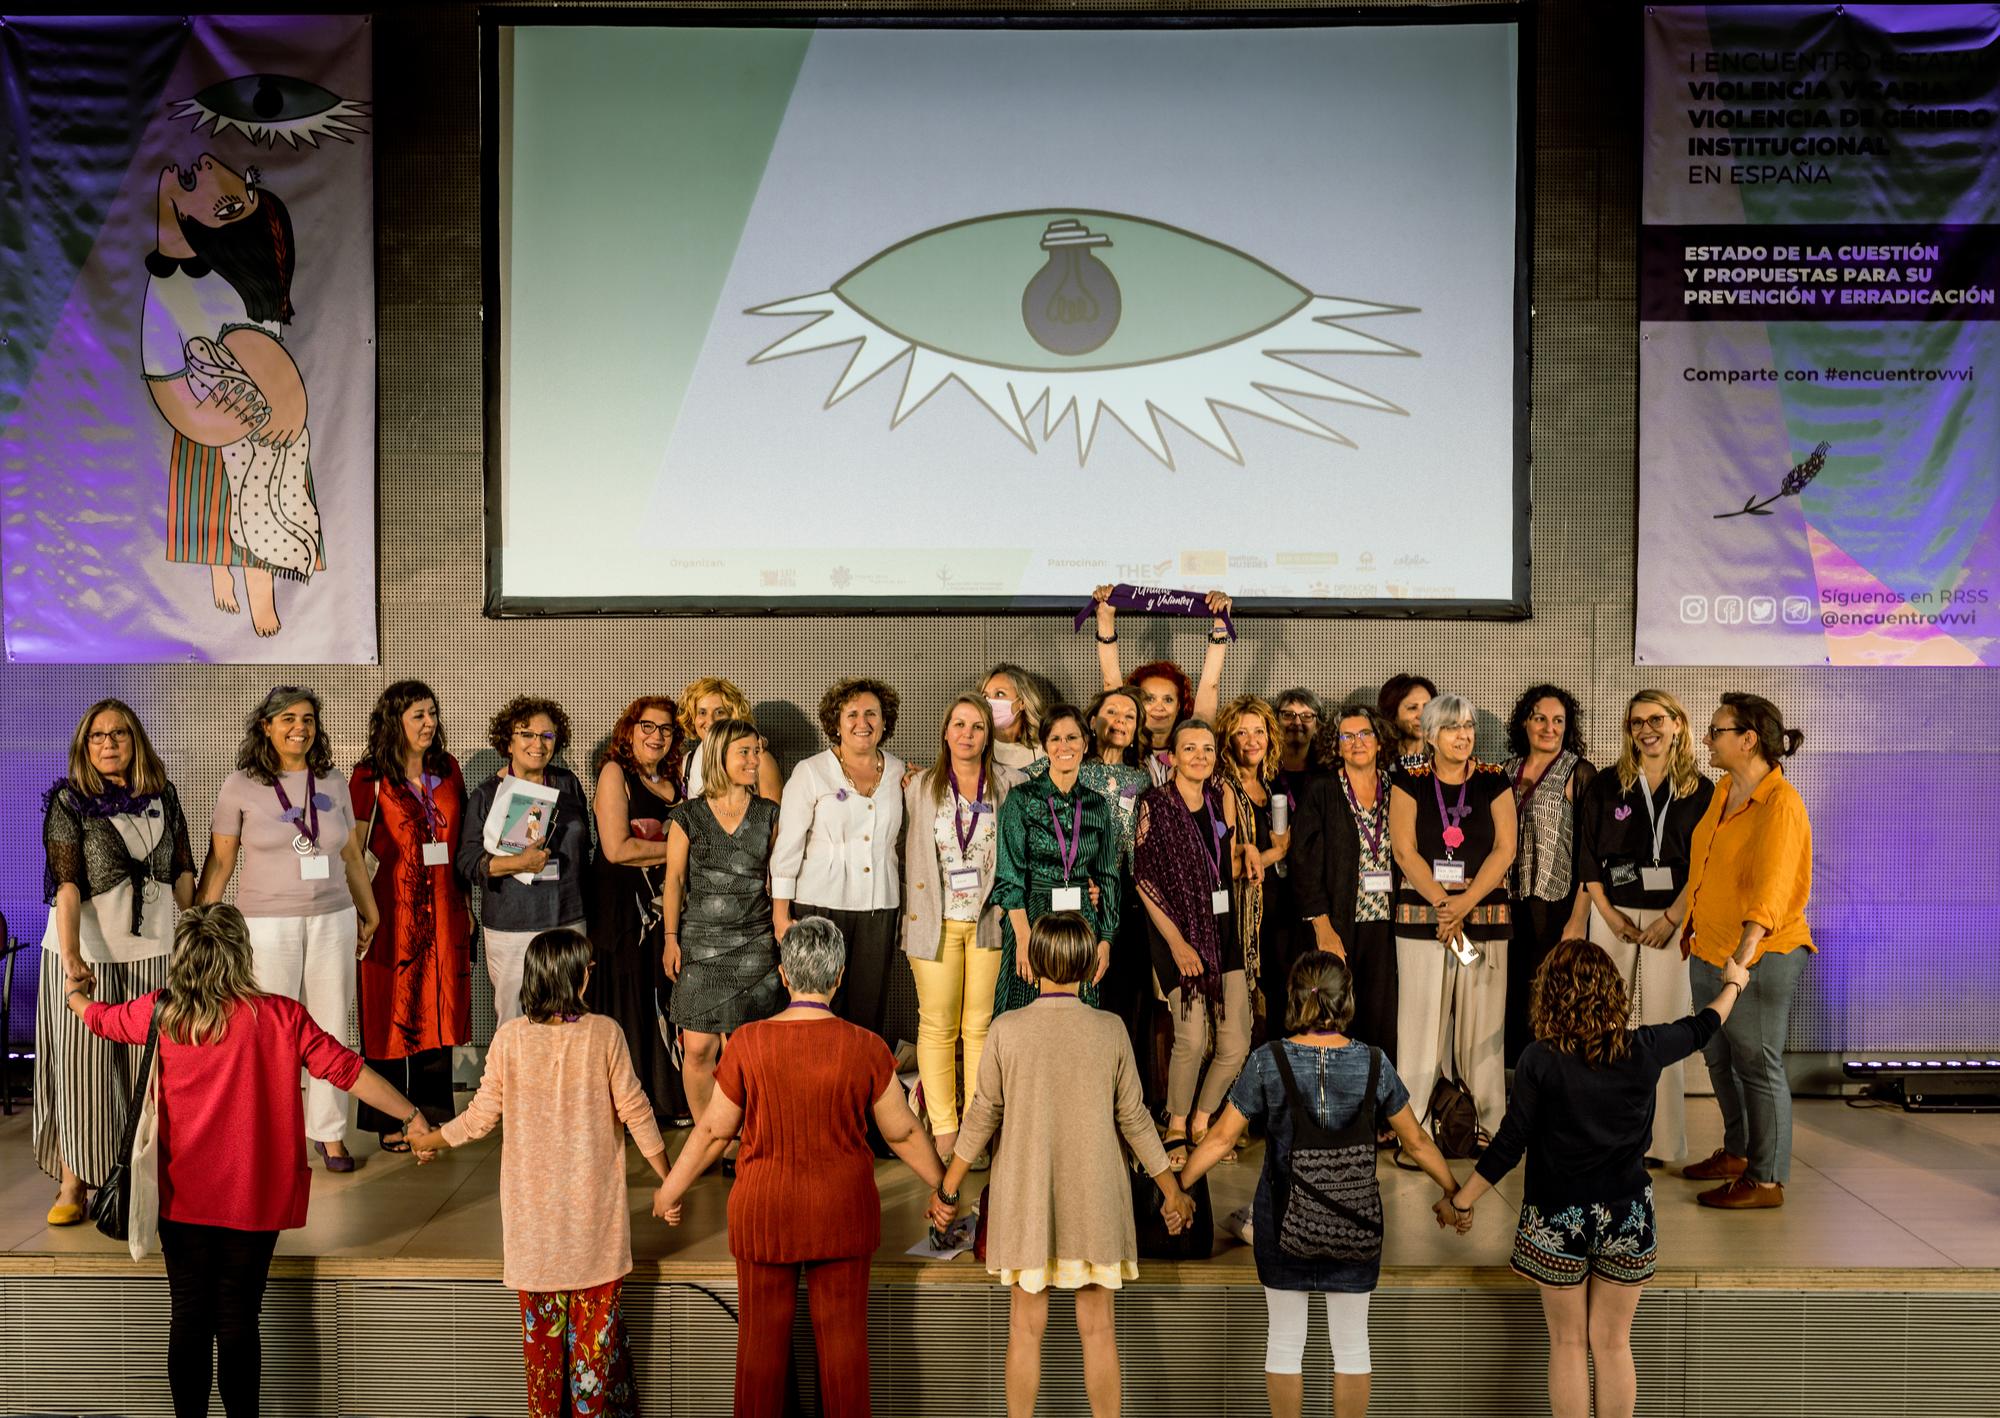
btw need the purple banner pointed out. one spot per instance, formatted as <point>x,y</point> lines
<point>1819,330</point>
<point>187,394</point>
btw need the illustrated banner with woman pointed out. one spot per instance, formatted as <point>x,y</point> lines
<point>187,393</point>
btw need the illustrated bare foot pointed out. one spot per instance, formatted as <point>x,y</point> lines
<point>223,586</point>
<point>263,603</point>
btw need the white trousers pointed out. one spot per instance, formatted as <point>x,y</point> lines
<point>506,952</point>
<point>1425,971</point>
<point>1346,1330</point>
<point>311,959</point>
<point>1664,996</point>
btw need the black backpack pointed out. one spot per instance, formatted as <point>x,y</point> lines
<point>1327,1199</point>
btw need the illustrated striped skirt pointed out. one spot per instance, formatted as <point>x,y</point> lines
<point>82,1082</point>
<point>198,513</point>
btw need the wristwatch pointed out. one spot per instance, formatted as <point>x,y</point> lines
<point>948,1198</point>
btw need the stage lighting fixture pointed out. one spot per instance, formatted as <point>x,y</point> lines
<point>1966,1085</point>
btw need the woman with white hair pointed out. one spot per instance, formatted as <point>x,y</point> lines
<point>1451,825</point>
<point>803,1086</point>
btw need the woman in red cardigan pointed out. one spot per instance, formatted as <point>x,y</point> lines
<point>232,1174</point>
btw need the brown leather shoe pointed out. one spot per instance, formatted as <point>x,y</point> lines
<point>1718,1166</point>
<point>1743,1195</point>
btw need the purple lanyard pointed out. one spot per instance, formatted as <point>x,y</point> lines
<point>298,816</point>
<point>1454,835</point>
<point>1376,823</point>
<point>1067,852</point>
<point>811,1004</point>
<point>963,830</point>
<point>1218,829</point>
<point>433,815</point>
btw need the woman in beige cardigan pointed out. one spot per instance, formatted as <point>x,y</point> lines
<point>951,932</point>
<point>1063,1075</point>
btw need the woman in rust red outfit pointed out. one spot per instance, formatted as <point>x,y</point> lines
<point>415,988</point>
<point>803,1086</point>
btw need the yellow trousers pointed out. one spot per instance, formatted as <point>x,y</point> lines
<point>954,1002</point>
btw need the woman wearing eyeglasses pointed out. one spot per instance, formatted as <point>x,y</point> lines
<point>529,882</point>
<point>1633,830</point>
<point>1749,878</point>
<point>286,818</point>
<point>1344,868</point>
<point>637,789</point>
<point>1165,696</point>
<point>1451,823</point>
<point>118,863</point>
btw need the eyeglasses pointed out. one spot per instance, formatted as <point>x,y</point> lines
<point>1298,716</point>
<point>99,738</point>
<point>529,736</point>
<point>1652,723</point>
<point>1714,729</point>
<point>650,729</point>
<point>1359,736</point>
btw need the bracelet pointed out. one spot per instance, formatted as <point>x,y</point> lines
<point>948,1198</point>
<point>79,990</point>
<point>1461,1210</point>
<point>1218,637</point>
<point>1111,639</point>
<point>415,1116</point>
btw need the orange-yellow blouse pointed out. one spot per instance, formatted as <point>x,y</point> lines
<point>1754,866</point>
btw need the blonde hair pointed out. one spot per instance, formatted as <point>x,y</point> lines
<point>208,977</point>
<point>940,772</point>
<point>1245,706</point>
<point>1680,763</point>
<point>146,777</point>
<point>722,735</point>
<point>734,699</point>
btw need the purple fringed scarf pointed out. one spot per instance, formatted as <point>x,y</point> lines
<point>1177,871</point>
<point>1155,600</point>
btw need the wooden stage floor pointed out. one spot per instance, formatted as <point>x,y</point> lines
<point>1879,1200</point>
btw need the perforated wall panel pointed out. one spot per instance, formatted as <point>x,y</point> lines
<point>1891,771</point>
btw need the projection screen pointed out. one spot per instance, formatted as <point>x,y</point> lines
<point>855,317</point>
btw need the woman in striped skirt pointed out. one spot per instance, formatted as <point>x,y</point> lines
<point>118,863</point>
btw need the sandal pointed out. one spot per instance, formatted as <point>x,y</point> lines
<point>395,1142</point>
<point>1177,1150</point>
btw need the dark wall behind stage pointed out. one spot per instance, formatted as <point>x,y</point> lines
<point>1898,777</point>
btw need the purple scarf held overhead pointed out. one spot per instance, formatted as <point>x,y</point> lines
<point>1155,600</point>
<point>1177,869</point>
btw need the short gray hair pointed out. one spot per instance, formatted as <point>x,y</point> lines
<point>1298,694</point>
<point>1446,710</point>
<point>813,953</point>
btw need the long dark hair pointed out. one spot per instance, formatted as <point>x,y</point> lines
<point>386,742</point>
<point>254,254</point>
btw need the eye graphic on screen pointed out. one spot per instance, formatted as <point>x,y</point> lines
<point>267,107</point>
<point>1081,313</point>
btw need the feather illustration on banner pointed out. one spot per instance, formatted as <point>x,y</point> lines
<point>1794,484</point>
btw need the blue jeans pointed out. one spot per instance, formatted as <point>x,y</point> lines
<point>1746,1062</point>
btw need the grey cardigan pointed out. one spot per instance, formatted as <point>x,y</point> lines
<point>923,882</point>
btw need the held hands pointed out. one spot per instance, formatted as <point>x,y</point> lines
<point>425,1142</point>
<point>79,974</point>
<point>1734,972</point>
<point>1449,1217</point>
<point>1177,1209</point>
<point>940,1213</point>
<point>664,1209</point>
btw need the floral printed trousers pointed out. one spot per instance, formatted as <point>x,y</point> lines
<point>574,1351</point>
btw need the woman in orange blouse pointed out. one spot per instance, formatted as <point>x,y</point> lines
<point>1749,876</point>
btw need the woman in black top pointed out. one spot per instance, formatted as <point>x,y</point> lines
<point>1451,822</point>
<point>1582,1108</point>
<point>1343,867</point>
<point>1633,827</point>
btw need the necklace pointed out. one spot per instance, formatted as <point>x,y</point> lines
<point>841,764</point>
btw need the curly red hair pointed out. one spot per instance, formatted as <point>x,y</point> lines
<point>619,749</point>
<point>1170,672</point>
<point>1579,1005</point>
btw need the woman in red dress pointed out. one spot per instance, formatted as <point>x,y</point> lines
<point>415,996</point>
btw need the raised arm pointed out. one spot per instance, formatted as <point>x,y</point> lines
<point>1107,640</point>
<point>1208,689</point>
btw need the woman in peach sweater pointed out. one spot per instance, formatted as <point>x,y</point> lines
<point>564,1079</point>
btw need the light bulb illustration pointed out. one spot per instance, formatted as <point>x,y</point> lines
<point>1072,305</point>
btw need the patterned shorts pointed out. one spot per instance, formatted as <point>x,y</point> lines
<point>1614,1240</point>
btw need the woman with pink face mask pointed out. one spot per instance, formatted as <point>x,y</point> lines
<point>1019,699</point>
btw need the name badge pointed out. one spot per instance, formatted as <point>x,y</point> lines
<point>551,872</point>
<point>1066,898</point>
<point>315,867</point>
<point>1377,883</point>
<point>1623,873</point>
<point>437,854</point>
<point>1656,878</point>
<point>1449,873</point>
<point>1218,901</point>
<point>963,879</point>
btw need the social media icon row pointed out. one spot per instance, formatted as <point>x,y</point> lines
<point>1736,610</point>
